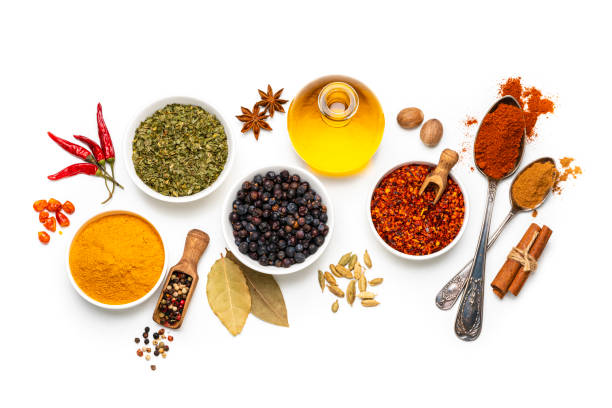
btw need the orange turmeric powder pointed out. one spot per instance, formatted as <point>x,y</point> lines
<point>117,258</point>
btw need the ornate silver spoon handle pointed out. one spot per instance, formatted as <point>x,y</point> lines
<point>469,316</point>
<point>448,295</point>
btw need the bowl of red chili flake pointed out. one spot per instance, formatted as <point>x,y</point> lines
<point>409,225</point>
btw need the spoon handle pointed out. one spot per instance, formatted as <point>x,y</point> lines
<point>448,295</point>
<point>469,316</point>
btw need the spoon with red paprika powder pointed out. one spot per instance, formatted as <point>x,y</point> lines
<point>448,295</point>
<point>498,150</point>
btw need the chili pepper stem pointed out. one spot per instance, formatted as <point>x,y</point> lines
<point>109,178</point>
<point>111,161</point>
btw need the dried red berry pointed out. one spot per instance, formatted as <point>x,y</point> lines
<point>62,219</point>
<point>42,216</point>
<point>44,237</point>
<point>68,207</point>
<point>40,205</point>
<point>53,205</point>
<point>50,224</point>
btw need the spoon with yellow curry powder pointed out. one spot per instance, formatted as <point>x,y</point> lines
<point>529,190</point>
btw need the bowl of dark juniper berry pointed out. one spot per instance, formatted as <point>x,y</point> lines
<point>308,223</point>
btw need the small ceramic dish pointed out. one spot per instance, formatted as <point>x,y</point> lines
<point>150,110</point>
<point>226,226</point>
<point>419,257</point>
<point>162,273</point>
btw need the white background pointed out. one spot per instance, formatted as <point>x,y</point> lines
<point>549,346</point>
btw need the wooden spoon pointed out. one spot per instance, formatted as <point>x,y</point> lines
<point>439,176</point>
<point>195,245</point>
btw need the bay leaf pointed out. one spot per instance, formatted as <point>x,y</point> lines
<point>228,294</point>
<point>267,301</point>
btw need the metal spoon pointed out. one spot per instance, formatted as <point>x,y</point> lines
<point>469,316</point>
<point>448,295</point>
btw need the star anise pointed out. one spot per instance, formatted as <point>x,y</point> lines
<point>254,121</point>
<point>271,102</point>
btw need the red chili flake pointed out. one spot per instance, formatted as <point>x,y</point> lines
<point>409,222</point>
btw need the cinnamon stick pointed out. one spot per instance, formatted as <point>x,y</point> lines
<point>510,268</point>
<point>536,250</point>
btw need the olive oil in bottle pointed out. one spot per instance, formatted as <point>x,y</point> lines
<point>336,125</point>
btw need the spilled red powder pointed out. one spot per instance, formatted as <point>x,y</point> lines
<point>470,121</point>
<point>531,100</point>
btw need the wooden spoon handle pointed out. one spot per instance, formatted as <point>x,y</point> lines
<point>195,245</point>
<point>448,159</point>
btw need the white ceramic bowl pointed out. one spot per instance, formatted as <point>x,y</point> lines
<point>419,257</point>
<point>150,110</point>
<point>76,287</point>
<point>227,227</point>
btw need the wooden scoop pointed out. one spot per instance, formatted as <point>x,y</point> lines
<point>439,176</point>
<point>195,245</point>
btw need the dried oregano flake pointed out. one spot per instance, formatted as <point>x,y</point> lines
<point>179,150</point>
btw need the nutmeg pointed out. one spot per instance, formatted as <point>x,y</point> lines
<point>431,132</point>
<point>410,118</point>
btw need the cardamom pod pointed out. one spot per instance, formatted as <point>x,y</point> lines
<point>352,262</point>
<point>335,306</point>
<point>350,292</point>
<point>366,295</point>
<point>363,284</point>
<point>367,259</point>
<point>330,278</point>
<point>358,271</point>
<point>344,272</point>
<point>333,270</point>
<point>321,281</point>
<point>369,303</point>
<point>376,281</point>
<point>344,259</point>
<point>335,290</point>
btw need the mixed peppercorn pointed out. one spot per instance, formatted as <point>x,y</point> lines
<point>44,208</point>
<point>409,222</point>
<point>278,219</point>
<point>159,347</point>
<point>171,306</point>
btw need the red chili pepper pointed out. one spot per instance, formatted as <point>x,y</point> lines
<point>95,148</point>
<point>105,138</point>
<point>74,149</point>
<point>82,168</point>
<point>107,146</point>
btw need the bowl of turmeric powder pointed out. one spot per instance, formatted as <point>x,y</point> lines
<point>116,260</point>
